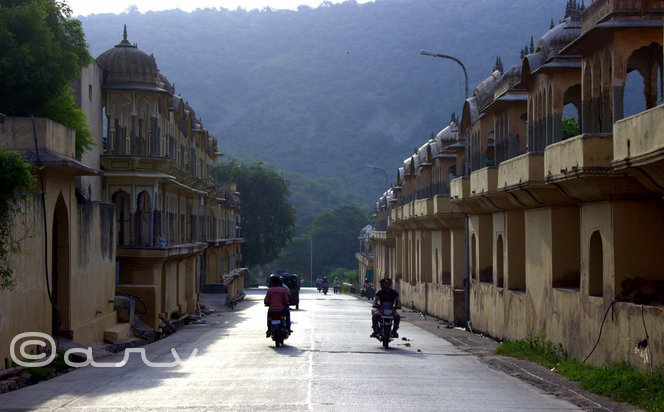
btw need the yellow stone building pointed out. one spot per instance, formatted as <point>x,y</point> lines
<point>139,214</point>
<point>177,229</point>
<point>540,232</point>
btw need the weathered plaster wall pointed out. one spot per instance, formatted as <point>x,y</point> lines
<point>88,284</point>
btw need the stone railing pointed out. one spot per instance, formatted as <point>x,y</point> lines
<point>16,134</point>
<point>525,169</point>
<point>639,137</point>
<point>581,153</point>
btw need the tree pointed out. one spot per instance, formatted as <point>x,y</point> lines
<point>335,237</point>
<point>42,50</point>
<point>15,185</point>
<point>570,127</point>
<point>268,220</point>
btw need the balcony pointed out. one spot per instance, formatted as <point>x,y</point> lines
<point>484,181</point>
<point>638,147</point>
<point>443,207</point>
<point>524,170</point>
<point>16,134</point>
<point>582,168</point>
<point>56,143</point>
<point>639,139</point>
<point>581,155</point>
<point>423,208</point>
<point>460,188</point>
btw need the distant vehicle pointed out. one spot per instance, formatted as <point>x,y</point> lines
<point>292,281</point>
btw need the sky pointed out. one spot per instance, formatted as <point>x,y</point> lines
<point>86,7</point>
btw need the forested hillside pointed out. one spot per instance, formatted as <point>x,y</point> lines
<point>322,92</point>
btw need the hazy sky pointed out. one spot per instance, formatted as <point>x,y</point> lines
<point>86,7</point>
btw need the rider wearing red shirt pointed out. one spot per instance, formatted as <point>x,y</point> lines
<point>277,299</point>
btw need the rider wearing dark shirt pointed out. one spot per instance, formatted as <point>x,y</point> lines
<point>386,294</point>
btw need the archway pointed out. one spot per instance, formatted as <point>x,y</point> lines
<point>500,273</point>
<point>60,268</point>
<point>143,219</point>
<point>473,257</point>
<point>122,216</point>
<point>571,121</point>
<point>596,265</point>
<point>644,88</point>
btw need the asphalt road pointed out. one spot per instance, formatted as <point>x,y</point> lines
<point>329,363</point>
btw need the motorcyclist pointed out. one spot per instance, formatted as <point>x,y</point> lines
<point>326,284</point>
<point>277,299</point>
<point>368,289</point>
<point>337,285</point>
<point>386,294</point>
<point>319,283</point>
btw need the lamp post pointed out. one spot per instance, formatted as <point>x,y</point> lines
<point>466,170</point>
<point>465,74</point>
<point>445,56</point>
<point>379,169</point>
<point>311,259</point>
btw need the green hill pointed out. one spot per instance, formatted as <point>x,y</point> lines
<point>322,92</point>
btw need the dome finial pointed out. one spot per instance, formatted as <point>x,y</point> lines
<point>124,35</point>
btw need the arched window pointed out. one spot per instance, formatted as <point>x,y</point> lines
<point>143,219</point>
<point>571,119</point>
<point>595,265</point>
<point>122,217</point>
<point>643,86</point>
<point>473,257</point>
<point>60,268</point>
<point>500,256</point>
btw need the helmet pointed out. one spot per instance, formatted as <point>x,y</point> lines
<point>275,280</point>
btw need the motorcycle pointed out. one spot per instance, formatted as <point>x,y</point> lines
<point>278,328</point>
<point>384,332</point>
<point>325,288</point>
<point>367,292</point>
<point>320,287</point>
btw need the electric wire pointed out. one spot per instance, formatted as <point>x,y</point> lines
<point>43,198</point>
<point>647,338</point>
<point>600,330</point>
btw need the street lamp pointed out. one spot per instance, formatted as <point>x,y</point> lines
<point>445,56</point>
<point>465,74</point>
<point>311,259</point>
<point>466,170</point>
<point>378,168</point>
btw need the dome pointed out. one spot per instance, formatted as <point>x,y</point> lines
<point>126,67</point>
<point>558,37</point>
<point>484,91</point>
<point>509,79</point>
<point>448,135</point>
<point>471,114</point>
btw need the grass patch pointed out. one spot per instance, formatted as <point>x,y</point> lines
<point>618,381</point>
